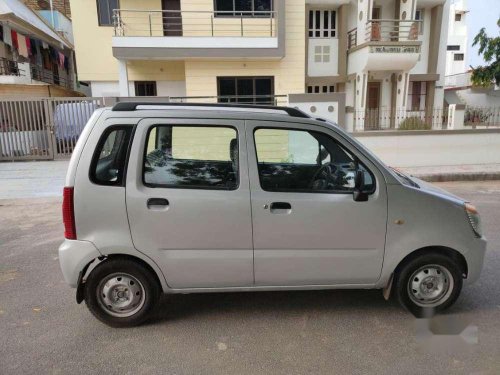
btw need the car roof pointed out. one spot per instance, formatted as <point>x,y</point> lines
<point>212,111</point>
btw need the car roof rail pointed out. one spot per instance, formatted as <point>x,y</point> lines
<point>132,106</point>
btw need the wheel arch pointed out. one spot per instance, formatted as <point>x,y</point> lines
<point>447,251</point>
<point>87,270</point>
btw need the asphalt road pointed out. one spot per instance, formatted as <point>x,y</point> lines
<point>43,330</point>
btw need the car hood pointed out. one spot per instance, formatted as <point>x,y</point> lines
<point>433,189</point>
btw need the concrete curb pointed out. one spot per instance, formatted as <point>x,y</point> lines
<point>463,176</point>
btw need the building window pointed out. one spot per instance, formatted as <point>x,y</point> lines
<point>322,23</point>
<point>105,11</point>
<point>252,90</point>
<point>453,48</point>
<point>240,8</point>
<point>145,88</point>
<point>419,16</point>
<point>322,54</point>
<point>458,57</point>
<point>458,17</point>
<point>320,89</point>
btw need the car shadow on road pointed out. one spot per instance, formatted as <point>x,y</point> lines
<point>186,306</point>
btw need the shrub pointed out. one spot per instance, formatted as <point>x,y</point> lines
<point>414,123</point>
<point>475,116</point>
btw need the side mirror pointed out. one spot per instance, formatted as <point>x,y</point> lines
<point>359,185</point>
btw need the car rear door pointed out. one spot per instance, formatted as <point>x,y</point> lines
<point>188,201</point>
<point>308,230</point>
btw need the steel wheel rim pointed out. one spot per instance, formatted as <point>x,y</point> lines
<point>430,285</point>
<point>121,295</point>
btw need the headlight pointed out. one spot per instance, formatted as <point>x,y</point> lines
<point>474,219</point>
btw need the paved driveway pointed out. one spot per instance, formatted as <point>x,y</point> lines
<point>43,330</point>
<point>32,179</point>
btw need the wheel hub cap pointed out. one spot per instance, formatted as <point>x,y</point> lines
<point>121,294</point>
<point>430,285</point>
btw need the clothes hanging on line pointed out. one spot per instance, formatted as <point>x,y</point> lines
<point>22,47</point>
<point>7,36</point>
<point>33,46</point>
<point>15,44</point>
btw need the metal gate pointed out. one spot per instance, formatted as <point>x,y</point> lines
<point>42,128</point>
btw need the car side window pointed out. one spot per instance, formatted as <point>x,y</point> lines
<point>108,162</point>
<point>196,157</point>
<point>292,160</point>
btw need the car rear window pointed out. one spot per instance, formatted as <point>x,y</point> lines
<point>108,163</point>
<point>193,157</point>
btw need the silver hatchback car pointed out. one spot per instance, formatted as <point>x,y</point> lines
<point>210,198</point>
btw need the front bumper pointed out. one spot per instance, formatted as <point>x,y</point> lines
<point>74,255</point>
<point>475,260</point>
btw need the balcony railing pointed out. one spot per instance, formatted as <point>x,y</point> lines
<point>460,80</point>
<point>10,68</point>
<point>38,73</point>
<point>169,23</point>
<point>385,31</point>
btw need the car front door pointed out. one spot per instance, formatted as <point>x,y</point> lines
<point>307,228</point>
<point>188,201</point>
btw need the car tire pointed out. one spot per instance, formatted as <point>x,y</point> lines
<point>121,292</point>
<point>428,284</point>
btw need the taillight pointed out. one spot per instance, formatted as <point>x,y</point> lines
<point>68,212</point>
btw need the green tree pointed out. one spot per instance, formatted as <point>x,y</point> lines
<point>490,49</point>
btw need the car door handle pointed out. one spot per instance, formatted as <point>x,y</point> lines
<point>157,203</point>
<point>281,208</point>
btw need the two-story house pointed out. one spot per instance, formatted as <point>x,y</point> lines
<point>388,56</point>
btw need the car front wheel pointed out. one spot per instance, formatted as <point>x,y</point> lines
<point>428,284</point>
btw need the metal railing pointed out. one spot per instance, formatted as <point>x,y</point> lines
<point>400,118</point>
<point>460,80</point>
<point>482,117</point>
<point>42,128</point>
<point>39,73</point>
<point>352,38</point>
<point>385,31</point>
<point>10,68</point>
<point>165,23</point>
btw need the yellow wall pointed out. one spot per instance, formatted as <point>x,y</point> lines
<point>94,55</point>
<point>95,60</point>
<point>139,70</point>
<point>289,73</point>
<point>200,24</point>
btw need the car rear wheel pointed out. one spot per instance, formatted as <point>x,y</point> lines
<point>428,284</point>
<point>121,293</point>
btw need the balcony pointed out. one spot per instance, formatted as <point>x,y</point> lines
<point>384,45</point>
<point>10,68</point>
<point>13,72</point>
<point>170,35</point>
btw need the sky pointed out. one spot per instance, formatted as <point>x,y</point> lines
<point>482,13</point>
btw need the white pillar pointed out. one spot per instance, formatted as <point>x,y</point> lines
<point>362,17</point>
<point>402,86</point>
<point>123,78</point>
<point>361,87</point>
